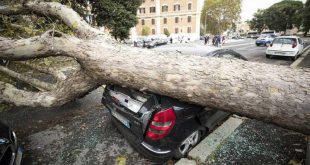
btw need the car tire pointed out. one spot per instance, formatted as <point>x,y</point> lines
<point>257,44</point>
<point>190,142</point>
<point>268,56</point>
<point>4,62</point>
<point>267,44</point>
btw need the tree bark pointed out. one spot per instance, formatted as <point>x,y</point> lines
<point>275,94</point>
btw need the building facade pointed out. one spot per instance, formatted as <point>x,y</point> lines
<point>178,17</point>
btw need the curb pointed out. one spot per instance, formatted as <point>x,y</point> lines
<point>304,53</point>
<point>207,146</point>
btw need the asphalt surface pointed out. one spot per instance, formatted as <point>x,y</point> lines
<point>81,132</point>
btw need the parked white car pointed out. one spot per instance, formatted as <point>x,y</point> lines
<point>290,46</point>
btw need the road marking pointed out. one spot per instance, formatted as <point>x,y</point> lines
<point>238,45</point>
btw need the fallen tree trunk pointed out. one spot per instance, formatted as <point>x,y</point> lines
<point>275,94</point>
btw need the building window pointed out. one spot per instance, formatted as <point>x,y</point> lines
<point>165,20</point>
<point>153,21</point>
<point>142,10</point>
<point>152,9</point>
<point>164,8</point>
<point>176,19</point>
<point>153,31</point>
<point>176,30</point>
<point>142,22</point>
<point>189,19</point>
<point>177,7</point>
<point>189,6</point>
<point>189,29</point>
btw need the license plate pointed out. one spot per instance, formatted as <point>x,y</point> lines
<point>279,53</point>
<point>121,118</point>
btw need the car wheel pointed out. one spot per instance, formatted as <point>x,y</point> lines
<point>295,58</point>
<point>267,44</point>
<point>257,44</point>
<point>4,62</point>
<point>268,56</point>
<point>189,142</point>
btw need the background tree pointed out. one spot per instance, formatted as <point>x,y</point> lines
<point>146,31</point>
<point>280,16</point>
<point>166,32</point>
<point>306,18</point>
<point>258,21</point>
<point>117,15</point>
<point>218,16</point>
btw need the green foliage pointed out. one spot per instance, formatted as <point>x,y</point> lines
<point>306,18</point>
<point>280,16</point>
<point>217,16</point>
<point>146,31</point>
<point>258,21</point>
<point>284,15</point>
<point>27,26</point>
<point>117,15</point>
<point>166,32</point>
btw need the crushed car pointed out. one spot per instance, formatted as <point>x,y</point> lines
<point>161,127</point>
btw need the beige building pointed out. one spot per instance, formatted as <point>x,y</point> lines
<point>179,17</point>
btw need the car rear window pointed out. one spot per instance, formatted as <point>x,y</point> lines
<point>285,41</point>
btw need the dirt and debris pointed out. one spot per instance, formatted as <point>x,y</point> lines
<point>259,143</point>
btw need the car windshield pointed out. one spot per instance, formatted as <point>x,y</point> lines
<point>285,41</point>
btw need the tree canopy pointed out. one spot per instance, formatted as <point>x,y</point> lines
<point>280,16</point>
<point>258,21</point>
<point>306,18</point>
<point>218,16</point>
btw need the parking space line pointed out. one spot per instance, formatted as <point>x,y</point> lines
<point>229,46</point>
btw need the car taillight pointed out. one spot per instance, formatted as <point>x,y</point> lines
<point>294,45</point>
<point>161,124</point>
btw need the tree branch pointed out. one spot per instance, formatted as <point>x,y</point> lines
<point>12,10</point>
<point>10,94</point>
<point>55,72</point>
<point>63,12</point>
<point>27,79</point>
<point>79,84</point>
<point>45,45</point>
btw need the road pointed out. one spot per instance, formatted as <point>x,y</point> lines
<point>255,53</point>
<point>81,131</point>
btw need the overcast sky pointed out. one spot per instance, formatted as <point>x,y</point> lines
<point>249,7</point>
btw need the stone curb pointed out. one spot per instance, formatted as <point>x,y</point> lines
<point>200,153</point>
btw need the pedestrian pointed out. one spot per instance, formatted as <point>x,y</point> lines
<point>171,40</point>
<point>213,40</point>
<point>223,40</point>
<point>208,37</point>
<point>135,43</point>
<point>88,13</point>
<point>205,40</point>
<point>218,40</point>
